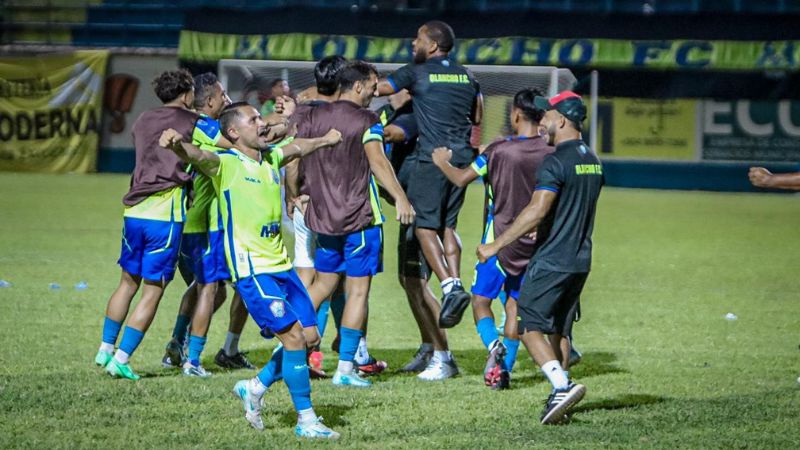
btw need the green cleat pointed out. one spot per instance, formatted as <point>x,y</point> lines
<point>103,358</point>
<point>117,370</point>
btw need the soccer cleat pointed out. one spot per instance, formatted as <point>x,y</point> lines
<point>237,361</point>
<point>439,370</point>
<point>174,355</point>
<point>494,364</point>
<point>559,402</point>
<point>574,356</point>
<point>453,306</point>
<point>117,370</point>
<point>315,371</point>
<point>251,404</point>
<point>350,379</point>
<point>190,370</point>
<point>103,358</point>
<point>315,430</point>
<point>504,382</point>
<point>420,362</point>
<point>372,367</point>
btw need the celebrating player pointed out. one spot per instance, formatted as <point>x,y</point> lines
<point>247,183</point>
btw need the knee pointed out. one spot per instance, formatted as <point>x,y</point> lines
<point>294,339</point>
<point>312,337</point>
<point>481,302</point>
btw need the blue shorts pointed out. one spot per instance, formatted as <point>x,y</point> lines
<point>277,300</point>
<point>150,248</point>
<point>356,254</point>
<point>203,254</point>
<point>490,278</point>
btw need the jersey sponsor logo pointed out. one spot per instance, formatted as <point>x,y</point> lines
<point>252,180</point>
<point>588,169</point>
<point>448,78</point>
<point>270,230</point>
<point>277,308</point>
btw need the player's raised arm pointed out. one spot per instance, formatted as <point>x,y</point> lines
<point>761,177</point>
<point>302,147</point>
<point>477,109</point>
<point>526,221</point>
<point>206,162</point>
<point>459,177</point>
<point>382,169</point>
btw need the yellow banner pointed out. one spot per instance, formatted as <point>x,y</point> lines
<point>50,111</point>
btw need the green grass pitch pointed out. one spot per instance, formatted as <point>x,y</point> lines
<point>663,366</point>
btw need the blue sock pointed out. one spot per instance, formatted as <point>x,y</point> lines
<point>322,317</point>
<point>349,343</point>
<point>512,346</point>
<point>295,373</point>
<point>196,346</point>
<point>487,331</point>
<point>337,308</point>
<point>181,328</point>
<point>131,339</point>
<point>272,372</point>
<point>111,331</point>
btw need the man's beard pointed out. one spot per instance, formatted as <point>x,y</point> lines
<point>419,56</point>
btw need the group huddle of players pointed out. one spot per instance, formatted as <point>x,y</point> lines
<point>340,158</point>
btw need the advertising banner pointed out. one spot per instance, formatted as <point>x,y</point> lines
<point>50,111</point>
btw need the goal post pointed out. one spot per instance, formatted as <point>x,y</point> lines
<point>244,79</point>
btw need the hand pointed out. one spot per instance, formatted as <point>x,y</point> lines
<point>405,212</point>
<point>442,156</point>
<point>332,137</point>
<point>485,251</point>
<point>285,105</point>
<point>482,148</point>
<point>301,203</point>
<point>760,177</point>
<point>531,235</point>
<point>170,139</point>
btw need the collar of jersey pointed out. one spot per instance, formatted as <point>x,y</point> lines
<point>243,155</point>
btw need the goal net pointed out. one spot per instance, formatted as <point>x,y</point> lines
<point>250,80</point>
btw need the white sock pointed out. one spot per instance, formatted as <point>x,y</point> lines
<point>557,376</point>
<point>426,347</point>
<point>256,387</point>
<point>447,285</point>
<point>231,347</point>
<point>345,367</point>
<point>106,347</point>
<point>362,354</point>
<point>441,355</point>
<point>306,416</point>
<point>121,357</point>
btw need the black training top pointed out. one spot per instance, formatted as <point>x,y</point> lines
<point>398,152</point>
<point>574,172</point>
<point>444,96</point>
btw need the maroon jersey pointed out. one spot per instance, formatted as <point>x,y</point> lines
<point>338,179</point>
<point>509,170</point>
<point>156,167</point>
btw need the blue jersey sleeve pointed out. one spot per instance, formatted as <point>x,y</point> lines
<point>403,78</point>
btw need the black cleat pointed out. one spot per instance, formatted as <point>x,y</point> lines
<point>560,402</point>
<point>453,306</point>
<point>237,361</point>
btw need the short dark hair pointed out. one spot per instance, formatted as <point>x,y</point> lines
<point>442,34</point>
<point>204,88</point>
<point>171,84</point>
<point>326,71</point>
<point>229,115</point>
<point>523,100</point>
<point>275,82</point>
<point>355,71</point>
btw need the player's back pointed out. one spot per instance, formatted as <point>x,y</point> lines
<point>156,167</point>
<point>338,179</point>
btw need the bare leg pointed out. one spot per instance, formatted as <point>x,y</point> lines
<point>306,275</point>
<point>322,287</point>
<point>481,308</point>
<point>204,308</point>
<point>511,330</point>
<point>434,252</point>
<point>355,309</point>
<point>238,314</point>
<point>221,295</point>
<point>429,310</point>
<point>145,310</point>
<point>120,301</point>
<point>416,301</point>
<point>452,252</point>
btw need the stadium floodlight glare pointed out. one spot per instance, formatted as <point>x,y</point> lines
<point>243,79</point>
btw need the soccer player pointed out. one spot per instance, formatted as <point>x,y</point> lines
<point>247,183</point>
<point>400,136</point>
<point>447,103</point>
<point>562,211</point>
<point>344,209</point>
<point>508,168</point>
<point>202,256</point>
<point>153,221</point>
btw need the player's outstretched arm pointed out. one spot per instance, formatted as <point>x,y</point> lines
<point>383,171</point>
<point>761,177</point>
<point>384,88</point>
<point>527,220</point>
<point>459,177</point>
<point>477,110</point>
<point>206,162</point>
<point>302,147</point>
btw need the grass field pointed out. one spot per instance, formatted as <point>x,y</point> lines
<point>663,366</point>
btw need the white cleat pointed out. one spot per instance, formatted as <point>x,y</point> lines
<point>315,430</point>
<point>439,370</point>
<point>251,404</point>
<point>350,379</point>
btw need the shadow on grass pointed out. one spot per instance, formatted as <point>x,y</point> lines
<point>333,415</point>
<point>592,364</point>
<point>620,402</point>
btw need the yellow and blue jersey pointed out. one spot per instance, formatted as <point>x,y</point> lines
<point>203,216</point>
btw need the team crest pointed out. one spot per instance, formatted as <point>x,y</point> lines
<point>277,308</point>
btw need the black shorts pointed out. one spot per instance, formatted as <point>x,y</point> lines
<point>436,200</point>
<point>549,301</point>
<point>410,260</point>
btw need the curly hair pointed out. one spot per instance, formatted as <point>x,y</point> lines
<point>171,84</point>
